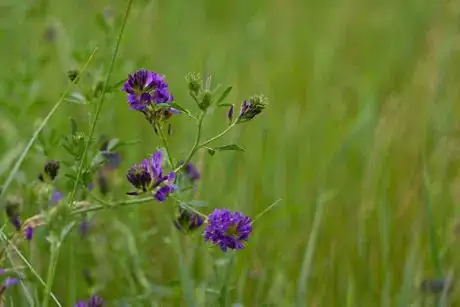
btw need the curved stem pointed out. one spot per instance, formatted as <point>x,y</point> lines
<point>107,205</point>
<point>218,136</point>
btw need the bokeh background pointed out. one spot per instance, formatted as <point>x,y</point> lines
<point>361,143</point>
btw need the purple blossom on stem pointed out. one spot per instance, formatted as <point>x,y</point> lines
<point>10,281</point>
<point>56,197</point>
<point>94,301</point>
<point>148,175</point>
<point>28,233</point>
<point>144,88</point>
<point>228,229</point>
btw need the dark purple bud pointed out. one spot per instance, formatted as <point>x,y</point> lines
<point>139,176</point>
<point>28,233</point>
<point>51,169</point>
<point>188,221</point>
<point>230,113</point>
<point>252,107</point>
<point>192,172</point>
<point>13,208</point>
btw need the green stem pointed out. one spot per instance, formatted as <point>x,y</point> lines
<point>196,145</point>
<point>164,142</point>
<point>219,135</point>
<point>51,273</point>
<point>101,102</point>
<point>106,205</point>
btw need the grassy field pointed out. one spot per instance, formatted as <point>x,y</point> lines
<point>360,143</point>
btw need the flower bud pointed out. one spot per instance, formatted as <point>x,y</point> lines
<point>252,107</point>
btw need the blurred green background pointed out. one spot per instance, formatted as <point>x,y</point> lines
<point>361,143</point>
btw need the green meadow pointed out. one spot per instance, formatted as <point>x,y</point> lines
<point>360,144</point>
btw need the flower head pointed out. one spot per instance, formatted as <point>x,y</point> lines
<point>251,108</point>
<point>144,88</point>
<point>168,187</point>
<point>139,175</point>
<point>228,229</point>
<point>94,301</point>
<point>28,233</point>
<point>56,197</point>
<point>149,176</point>
<point>13,208</point>
<point>51,170</point>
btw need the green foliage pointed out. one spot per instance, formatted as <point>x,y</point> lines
<point>363,106</point>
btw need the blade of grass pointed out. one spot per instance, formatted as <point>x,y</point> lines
<point>101,101</point>
<point>302,285</point>
<point>186,281</point>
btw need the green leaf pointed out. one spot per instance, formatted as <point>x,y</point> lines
<point>233,147</point>
<point>77,98</point>
<point>178,107</point>
<point>225,105</point>
<point>73,126</point>
<point>224,95</point>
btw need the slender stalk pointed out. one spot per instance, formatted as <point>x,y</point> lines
<point>107,205</point>
<point>51,273</point>
<point>101,102</point>
<point>164,142</point>
<point>266,210</point>
<point>196,145</point>
<point>219,135</point>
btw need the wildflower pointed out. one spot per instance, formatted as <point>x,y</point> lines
<point>139,176</point>
<point>228,229</point>
<point>144,88</point>
<point>28,233</point>
<point>148,175</point>
<point>84,226</point>
<point>94,301</point>
<point>251,108</point>
<point>188,220</point>
<point>191,171</point>
<point>9,281</point>
<point>13,207</point>
<point>163,192</point>
<point>56,197</point>
<point>51,170</point>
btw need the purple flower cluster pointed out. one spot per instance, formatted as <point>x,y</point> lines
<point>94,301</point>
<point>146,87</point>
<point>149,176</point>
<point>228,229</point>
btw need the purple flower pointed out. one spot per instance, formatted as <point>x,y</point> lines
<point>94,301</point>
<point>228,229</point>
<point>56,197</point>
<point>144,88</point>
<point>192,172</point>
<point>10,281</point>
<point>148,175</point>
<point>28,233</point>
<point>169,187</point>
<point>139,176</point>
<point>252,107</point>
